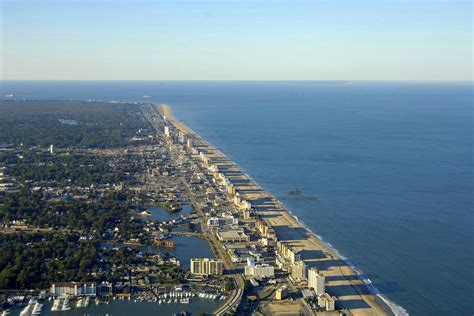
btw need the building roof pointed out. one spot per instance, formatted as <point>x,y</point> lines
<point>307,293</point>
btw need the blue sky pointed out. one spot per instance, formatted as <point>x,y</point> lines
<point>236,40</point>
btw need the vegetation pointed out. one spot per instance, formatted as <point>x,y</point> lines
<point>107,212</point>
<point>68,123</point>
<point>64,208</point>
<point>77,169</point>
<point>36,260</point>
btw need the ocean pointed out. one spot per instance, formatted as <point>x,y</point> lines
<point>392,163</point>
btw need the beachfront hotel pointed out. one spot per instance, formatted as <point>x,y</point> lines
<point>316,281</point>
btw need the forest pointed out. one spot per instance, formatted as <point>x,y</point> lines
<point>42,123</point>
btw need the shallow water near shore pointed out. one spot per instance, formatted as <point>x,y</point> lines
<point>391,162</point>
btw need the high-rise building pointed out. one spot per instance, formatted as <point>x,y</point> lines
<point>316,281</point>
<point>206,266</point>
<point>167,131</point>
<point>189,143</point>
<point>299,270</point>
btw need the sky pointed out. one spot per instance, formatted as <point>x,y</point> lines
<point>236,40</point>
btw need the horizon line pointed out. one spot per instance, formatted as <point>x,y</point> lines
<point>257,80</point>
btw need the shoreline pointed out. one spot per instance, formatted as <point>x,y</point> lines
<point>291,229</point>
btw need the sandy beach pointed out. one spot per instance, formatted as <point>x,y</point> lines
<point>343,282</point>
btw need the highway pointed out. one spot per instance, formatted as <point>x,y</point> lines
<point>234,298</point>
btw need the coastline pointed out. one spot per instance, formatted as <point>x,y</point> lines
<point>350,289</point>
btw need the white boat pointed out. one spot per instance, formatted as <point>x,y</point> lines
<point>56,305</point>
<point>37,308</point>
<point>27,310</point>
<point>66,306</point>
<point>79,303</point>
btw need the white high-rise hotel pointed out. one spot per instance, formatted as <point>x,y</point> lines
<point>316,281</point>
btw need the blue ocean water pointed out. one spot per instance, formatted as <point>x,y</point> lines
<point>392,162</point>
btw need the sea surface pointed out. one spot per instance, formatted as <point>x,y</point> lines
<point>392,163</point>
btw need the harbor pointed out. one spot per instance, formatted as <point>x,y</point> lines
<point>165,303</point>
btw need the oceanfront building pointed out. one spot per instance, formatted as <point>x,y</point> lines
<point>206,266</point>
<point>316,281</point>
<point>73,289</point>
<point>326,301</point>
<point>289,252</point>
<point>264,228</point>
<point>299,271</point>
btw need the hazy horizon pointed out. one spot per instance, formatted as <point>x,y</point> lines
<point>237,40</point>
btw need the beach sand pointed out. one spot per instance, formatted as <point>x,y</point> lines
<point>342,281</point>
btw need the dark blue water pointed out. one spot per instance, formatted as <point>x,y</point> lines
<point>187,247</point>
<point>392,162</point>
<point>158,213</point>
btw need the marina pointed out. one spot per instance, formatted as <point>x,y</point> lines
<point>163,304</point>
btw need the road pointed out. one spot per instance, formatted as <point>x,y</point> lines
<point>234,298</point>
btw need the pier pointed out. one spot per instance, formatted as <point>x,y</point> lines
<point>343,283</point>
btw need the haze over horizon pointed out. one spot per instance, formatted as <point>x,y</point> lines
<point>236,40</point>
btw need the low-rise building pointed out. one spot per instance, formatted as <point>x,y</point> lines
<point>104,289</point>
<point>280,293</point>
<point>326,301</point>
<point>213,221</point>
<point>232,235</point>
<point>260,271</point>
<point>73,289</point>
